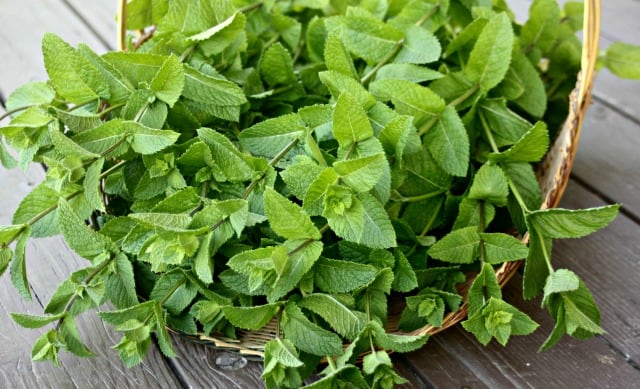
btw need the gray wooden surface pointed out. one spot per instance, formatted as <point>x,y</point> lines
<point>606,170</point>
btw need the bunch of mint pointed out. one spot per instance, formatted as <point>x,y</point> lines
<point>301,162</point>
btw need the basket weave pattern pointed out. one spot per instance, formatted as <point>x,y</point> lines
<point>553,176</point>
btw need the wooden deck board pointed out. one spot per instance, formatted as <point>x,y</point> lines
<point>609,261</point>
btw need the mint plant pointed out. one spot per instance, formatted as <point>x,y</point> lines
<point>301,162</point>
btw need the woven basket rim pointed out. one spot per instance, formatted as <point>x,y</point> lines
<point>553,177</point>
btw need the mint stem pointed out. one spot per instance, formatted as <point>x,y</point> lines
<point>458,100</point>
<point>272,163</point>
<point>15,110</point>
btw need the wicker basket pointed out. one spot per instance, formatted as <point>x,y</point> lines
<point>553,176</point>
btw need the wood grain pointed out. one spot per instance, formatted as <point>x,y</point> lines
<point>99,16</point>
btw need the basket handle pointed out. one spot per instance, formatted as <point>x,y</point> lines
<point>121,28</point>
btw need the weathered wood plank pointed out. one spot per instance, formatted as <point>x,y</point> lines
<point>608,156</point>
<point>24,22</point>
<point>100,17</point>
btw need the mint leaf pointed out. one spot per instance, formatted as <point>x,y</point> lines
<point>405,279</point>
<point>339,83</point>
<point>33,321</point>
<point>361,174</point>
<point>367,37</point>
<point>174,291</point>
<point>535,266</point>
<point>565,223</point>
<point>337,58</point>
<point>341,318</point>
<point>5,258</point>
<point>270,137</point>
<point>409,72</point>
<point>418,47</point>
<point>72,76</point>
<point>71,338</point>
<point>561,280</point>
<point>448,142</point>
<point>86,242</point>
<point>542,27</point>
<point>18,269</point>
<point>523,76</point>
<point>120,285</point>
<point>459,246</point>
<point>490,184</point>
<point>341,276</point>
<point>287,219</point>
<point>620,58</point>
<point>228,158</point>
<point>499,248</point>
<point>168,83</point>
<point>409,98</point>
<point>483,287</point>
<point>350,122</point>
<point>300,257</point>
<point>145,140</point>
<point>489,60</point>
<point>307,336</point>
<point>531,147</point>
<point>365,222</point>
<point>276,67</point>
<point>29,94</point>
<point>250,318</point>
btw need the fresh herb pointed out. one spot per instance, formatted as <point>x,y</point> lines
<point>302,162</point>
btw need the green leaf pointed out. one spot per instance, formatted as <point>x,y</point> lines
<point>506,126</point>
<point>350,122</point>
<point>301,255</point>
<point>340,276</point>
<point>337,58</point>
<point>300,175</point>
<point>394,342</point>
<point>561,280</point>
<point>174,291</point>
<point>621,59</point>
<point>46,348</point>
<point>168,82</point>
<point>535,266</point>
<point>18,268</point>
<point>144,13</point>
<point>68,331</point>
<point>270,137</point>
<point>405,279</point>
<point>251,318</point>
<point>365,222</point>
<point>582,316</point>
<point>448,142</point>
<point>499,248</point>
<point>341,318</point>
<point>119,87</point>
<point>484,286</point>
<point>202,262</point>
<point>36,204</point>
<point>72,76</point>
<point>338,83</point>
<point>409,98</point>
<point>121,285</point>
<point>418,47</point>
<point>33,321</point>
<point>107,140</point>
<point>282,351</point>
<point>409,72</point>
<point>276,67</point>
<point>531,147</point>
<point>86,242</point>
<point>523,77</point>
<point>490,184</point>
<point>31,93</point>
<point>214,91</point>
<point>459,246</point>
<point>469,213</point>
<point>288,219</point>
<point>145,140</point>
<point>5,258</point>
<point>361,174</point>
<point>564,223</point>
<point>375,359</point>
<point>489,60</point>
<point>307,336</point>
<point>227,157</point>
<point>542,27</point>
<point>367,37</point>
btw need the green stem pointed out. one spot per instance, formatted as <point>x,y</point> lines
<point>15,110</point>
<point>396,48</point>
<point>414,199</point>
<point>331,362</point>
<point>272,163</point>
<point>308,241</point>
<point>77,106</point>
<point>453,103</point>
<point>545,254</point>
<point>315,150</point>
<point>111,108</point>
<point>86,281</point>
<point>517,195</point>
<point>488,134</point>
<point>427,227</point>
<point>250,7</point>
<point>113,168</point>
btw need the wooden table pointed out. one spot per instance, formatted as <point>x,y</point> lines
<point>606,171</point>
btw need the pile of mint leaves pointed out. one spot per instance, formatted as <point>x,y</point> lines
<point>308,162</point>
